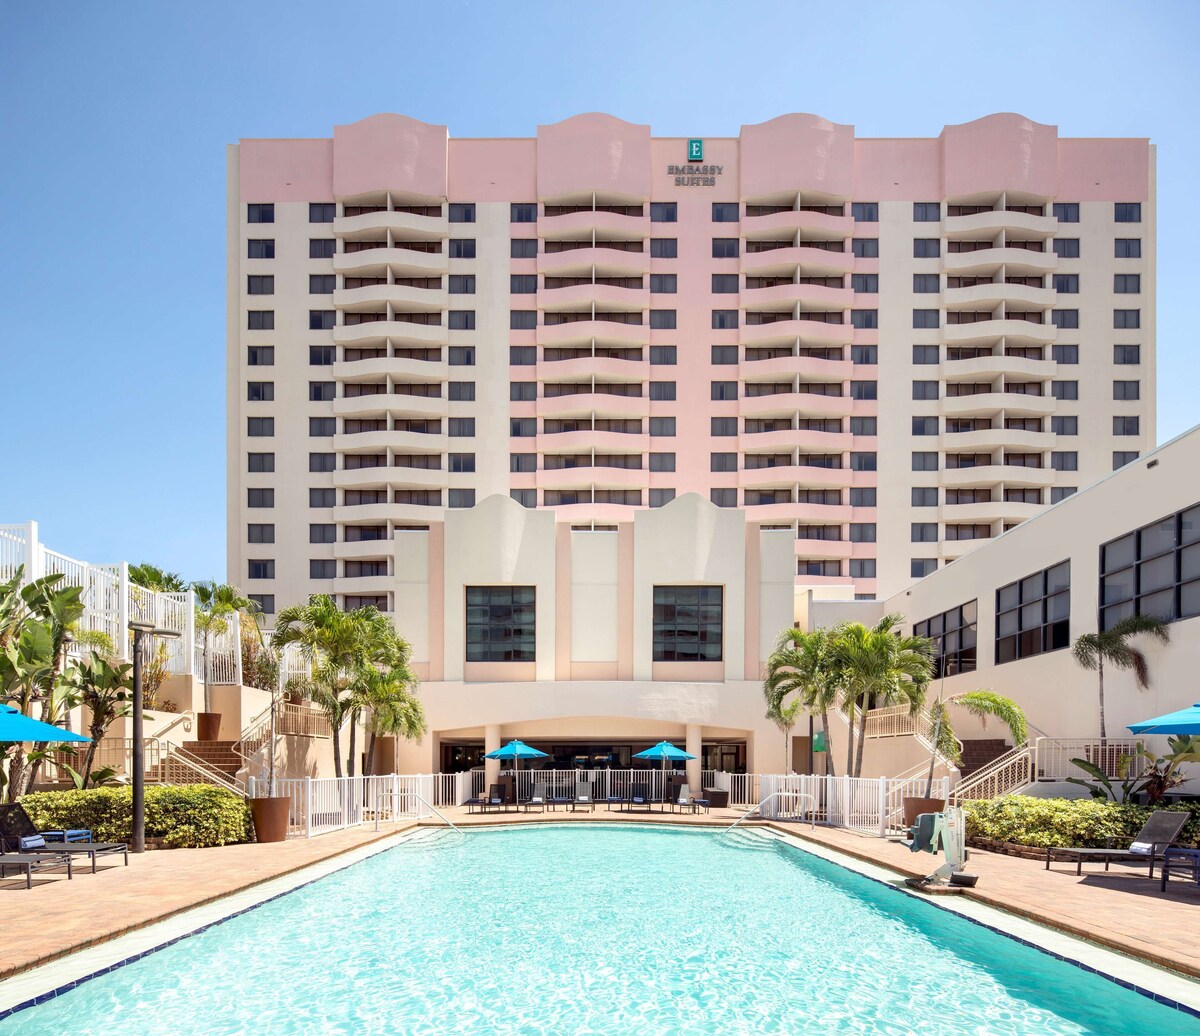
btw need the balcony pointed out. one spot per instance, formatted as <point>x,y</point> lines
<point>583,368</point>
<point>583,332</point>
<point>989,511</point>
<point>604,404</point>
<point>817,261</point>
<point>404,262</point>
<point>581,296</point>
<point>992,474</point>
<point>388,403</point>
<point>377,548</point>
<point>576,224</point>
<point>612,262</point>
<point>799,219</point>
<point>807,367</point>
<point>373,296</point>
<point>406,223</point>
<point>815,295</point>
<point>989,403</point>
<point>986,439</point>
<point>814,332</point>
<point>991,295</point>
<point>1015,331</point>
<point>985,223</point>
<point>986,367</point>
<point>399,368</point>
<point>989,260</point>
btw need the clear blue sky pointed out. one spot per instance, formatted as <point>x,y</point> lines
<point>115,117</point>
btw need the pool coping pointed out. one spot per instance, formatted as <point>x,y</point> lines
<point>37,985</point>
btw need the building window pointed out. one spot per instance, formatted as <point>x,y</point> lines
<point>865,247</point>
<point>725,212</point>
<point>723,497</point>
<point>724,247</point>
<point>518,391</point>
<point>321,283</point>
<point>322,568</point>
<point>461,320</point>
<point>864,318</point>
<point>920,567</point>
<point>461,462</point>
<point>523,248</point>
<point>1127,354</point>
<point>664,248</point>
<point>924,426</point>
<point>1065,318</point>
<point>925,318</point>
<point>662,462</point>
<point>320,391</point>
<point>321,247</point>
<point>1126,425</point>
<point>664,427</point>
<point>864,354</point>
<point>523,212</point>
<point>464,284</point>
<point>260,462</point>
<point>924,496</point>
<point>667,284</point>
<point>462,212</point>
<point>260,391</point>
<point>461,248</point>
<point>1153,571</point>
<point>522,462</point>
<point>924,532</point>
<point>955,635</point>
<point>662,355</point>
<point>321,211</point>
<point>927,211</point>
<point>1127,212</point>
<point>925,460</point>
<point>724,319</point>
<point>463,391</point>
<point>661,497</point>
<point>864,211</point>
<point>1064,425</point>
<point>525,497</point>
<point>1033,615</point>
<point>260,533</point>
<point>320,462</point>
<point>1128,248</point>
<point>460,427</point>
<point>1064,460</point>
<point>258,284</point>
<point>688,623</point>
<point>1065,354</point>
<point>662,319</point>
<point>321,319</point>
<point>865,283</point>
<point>864,390</point>
<point>522,427</point>
<point>723,283</point>
<point>1123,457</point>
<point>462,497</point>
<point>926,283</point>
<point>260,248</point>
<point>500,623</point>
<point>260,426</point>
<point>664,212</point>
<point>927,247</point>
<point>925,354</point>
<point>265,602</point>
<point>321,355</point>
<point>862,532</point>
<point>1127,319</point>
<point>321,427</point>
<point>1066,247</point>
<point>1058,493</point>
<point>724,390</point>
<point>518,283</point>
<point>863,426</point>
<point>461,356</point>
<point>662,390</point>
<point>260,498</point>
<point>1064,389</point>
<point>1127,283</point>
<point>522,355</point>
<point>813,567</point>
<point>924,390</point>
<point>522,319</point>
<point>1127,390</point>
<point>860,496</point>
<point>1066,283</point>
<point>322,533</point>
<point>724,355</point>
<point>723,462</point>
<point>1066,211</point>
<point>862,568</point>
<point>256,212</point>
<point>260,320</point>
<point>864,461</point>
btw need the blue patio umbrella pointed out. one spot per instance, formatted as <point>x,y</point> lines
<point>1185,721</point>
<point>664,750</point>
<point>15,726</point>
<point>516,751</point>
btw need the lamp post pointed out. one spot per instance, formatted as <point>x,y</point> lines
<point>141,630</point>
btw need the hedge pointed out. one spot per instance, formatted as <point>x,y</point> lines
<point>1025,820</point>
<point>192,816</point>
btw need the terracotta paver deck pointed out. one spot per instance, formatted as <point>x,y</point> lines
<point>1121,909</point>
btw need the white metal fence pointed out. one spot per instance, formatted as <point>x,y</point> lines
<point>323,804</point>
<point>869,805</point>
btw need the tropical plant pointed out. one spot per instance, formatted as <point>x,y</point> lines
<point>260,665</point>
<point>340,648</point>
<point>105,689</point>
<point>393,708</point>
<point>982,704</point>
<point>803,665</point>
<point>1154,777</point>
<point>880,666</point>
<point>214,602</point>
<point>1093,650</point>
<point>156,667</point>
<point>151,577</point>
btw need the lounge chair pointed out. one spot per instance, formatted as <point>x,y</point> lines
<point>538,798</point>
<point>30,862</point>
<point>583,796</point>
<point>1160,831</point>
<point>560,797</point>
<point>639,796</point>
<point>495,799</point>
<point>687,800</point>
<point>18,833</point>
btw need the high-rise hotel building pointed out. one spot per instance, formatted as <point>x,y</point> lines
<point>895,348</point>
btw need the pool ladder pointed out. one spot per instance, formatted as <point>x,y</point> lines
<point>775,794</point>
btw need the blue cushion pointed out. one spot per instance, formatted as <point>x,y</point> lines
<point>33,842</point>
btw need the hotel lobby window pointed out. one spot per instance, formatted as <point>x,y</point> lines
<point>1154,571</point>
<point>500,623</point>
<point>1033,614</point>
<point>688,623</point>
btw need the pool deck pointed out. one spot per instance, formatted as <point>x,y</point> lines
<point>1120,909</point>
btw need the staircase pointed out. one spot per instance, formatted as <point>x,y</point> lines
<point>216,755</point>
<point>978,753</point>
<point>198,762</point>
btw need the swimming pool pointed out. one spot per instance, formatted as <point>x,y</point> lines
<point>599,928</point>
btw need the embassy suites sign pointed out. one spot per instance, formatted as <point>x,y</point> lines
<point>695,174</point>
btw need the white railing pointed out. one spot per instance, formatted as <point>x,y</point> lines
<point>1054,756</point>
<point>224,653</point>
<point>323,804</point>
<point>868,805</point>
<point>606,784</point>
<point>1004,775</point>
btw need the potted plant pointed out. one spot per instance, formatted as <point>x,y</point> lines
<point>271,812</point>
<point>214,602</point>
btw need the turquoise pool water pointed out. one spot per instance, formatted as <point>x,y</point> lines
<point>585,929</point>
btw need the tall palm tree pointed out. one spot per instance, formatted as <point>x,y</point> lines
<point>340,647</point>
<point>394,708</point>
<point>1093,650</point>
<point>982,704</point>
<point>803,664</point>
<point>882,667</point>
<point>214,603</point>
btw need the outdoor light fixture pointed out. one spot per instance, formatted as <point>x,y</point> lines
<point>140,630</point>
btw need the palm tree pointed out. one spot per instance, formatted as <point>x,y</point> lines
<point>881,666</point>
<point>151,577</point>
<point>804,664</point>
<point>1092,650</point>
<point>981,704</point>
<point>215,601</point>
<point>340,648</point>
<point>394,708</point>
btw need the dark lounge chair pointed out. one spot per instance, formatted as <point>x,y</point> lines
<point>1160,831</point>
<point>19,834</point>
<point>583,796</point>
<point>496,799</point>
<point>639,797</point>
<point>537,799</point>
<point>30,862</point>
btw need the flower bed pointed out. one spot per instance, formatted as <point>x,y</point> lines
<point>1021,820</point>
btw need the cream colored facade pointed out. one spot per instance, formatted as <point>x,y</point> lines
<point>594,680</point>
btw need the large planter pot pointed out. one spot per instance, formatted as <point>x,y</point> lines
<point>270,818</point>
<point>208,726</point>
<point>914,807</point>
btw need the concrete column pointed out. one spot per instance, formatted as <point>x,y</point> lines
<point>692,745</point>
<point>491,741</point>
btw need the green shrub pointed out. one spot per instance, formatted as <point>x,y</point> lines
<point>192,816</point>
<point>1084,822</point>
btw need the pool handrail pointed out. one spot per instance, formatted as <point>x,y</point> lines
<point>759,805</point>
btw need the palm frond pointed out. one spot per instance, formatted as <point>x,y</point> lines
<point>984,704</point>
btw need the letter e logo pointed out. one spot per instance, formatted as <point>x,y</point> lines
<point>695,150</point>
